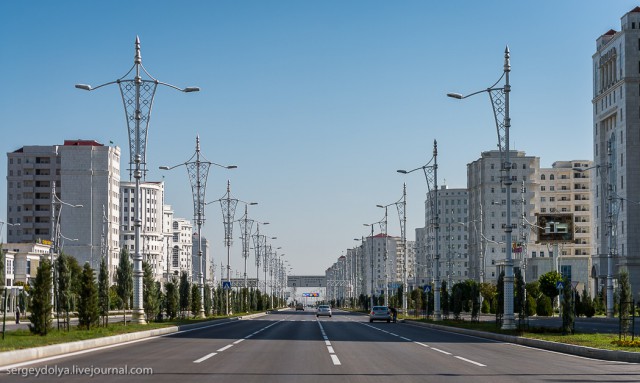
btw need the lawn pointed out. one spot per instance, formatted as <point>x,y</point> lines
<point>601,341</point>
<point>20,339</point>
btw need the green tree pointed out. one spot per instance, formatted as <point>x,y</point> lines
<point>63,286</point>
<point>543,306</point>
<point>519,304</point>
<point>76,281</point>
<point>207,300</point>
<point>41,307</point>
<point>444,299</point>
<point>149,293</point>
<point>625,302</point>
<point>548,282</point>
<point>489,293</point>
<point>500,295</point>
<point>196,300</point>
<point>103,292</point>
<point>568,317</point>
<point>587,304</point>
<point>88,311</point>
<point>185,293</point>
<point>172,299</point>
<point>124,278</point>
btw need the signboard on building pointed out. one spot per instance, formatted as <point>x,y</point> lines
<point>555,227</point>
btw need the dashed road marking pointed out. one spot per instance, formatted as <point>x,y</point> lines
<point>205,357</point>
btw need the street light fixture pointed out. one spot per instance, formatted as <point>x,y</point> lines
<point>137,96</point>
<point>259,242</point>
<point>372,275</point>
<point>228,206</point>
<point>198,171</point>
<point>430,171</point>
<point>499,97</point>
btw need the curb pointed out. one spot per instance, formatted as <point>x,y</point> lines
<point>587,352</point>
<point>18,356</point>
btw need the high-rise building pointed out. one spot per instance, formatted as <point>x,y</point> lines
<point>488,209</point>
<point>82,172</point>
<point>616,153</point>
<point>453,241</point>
<point>564,189</point>
<point>207,262</point>
<point>152,239</point>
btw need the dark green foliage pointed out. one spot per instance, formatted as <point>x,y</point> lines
<point>196,300</point>
<point>519,303</point>
<point>88,312</point>
<point>114,299</point>
<point>208,302</point>
<point>548,283</point>
<point>444,299</point>
<point>149,293</point>
<point>568,317</point>
<point>76,281</point>
<point>124,278</point>
<point>500,295</point>
<point>172,300</point>
<point>543,306</point>
<point>588,309</point>
<point>103,292</point>
<point>63,285</point>
<point>40,317</point>
<point>185,293</point>
<point>625,301</point>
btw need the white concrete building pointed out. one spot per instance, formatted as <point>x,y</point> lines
<point>616,178</point>
<point>181,247</point>
<point>487,209</point>
<point>152,238</point>
<point>454,212</point>
<point>85,173</point>
<point>563,190</point>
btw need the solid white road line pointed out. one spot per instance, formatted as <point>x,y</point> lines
<point>437,349</point>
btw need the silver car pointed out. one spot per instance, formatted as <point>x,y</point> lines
<point>323,310</point>
<point>380,313</point>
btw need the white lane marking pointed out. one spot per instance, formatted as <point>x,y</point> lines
<point>330,350</point>
<point>407,339</point>
<point>238,341</point>
<point>335,360</point>
<point>225,347</point>
<point>205,357</point>
<point>442,351</point>
<point>422,344</point>
<point>327,343</point>
<point>334,357</point>
<point>470,361</point>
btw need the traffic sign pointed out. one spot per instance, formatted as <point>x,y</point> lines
<point>226,285</point>
<point>427,288</point>
<point>560,285</point>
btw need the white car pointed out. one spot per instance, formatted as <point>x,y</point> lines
<point>324,310</point>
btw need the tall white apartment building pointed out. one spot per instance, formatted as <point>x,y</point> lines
<point>376,267</point>
<point>616,176</point>
<point>181,247</point>
<point>563,189</point>
<point>487,210</point>
<point>152,238</point>
<point>84,172</point>
<point>207,261</point>
<point>419,275</point>
<point>453,242</point>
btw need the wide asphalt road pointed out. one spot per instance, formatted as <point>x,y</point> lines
<point>291,346</point>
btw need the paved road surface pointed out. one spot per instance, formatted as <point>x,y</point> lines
<point>291,346</point>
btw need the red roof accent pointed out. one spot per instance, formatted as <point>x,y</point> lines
<point>81,143</point>
<point>636,9</point>
<point>610,32</point>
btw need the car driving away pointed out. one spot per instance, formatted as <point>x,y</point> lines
<point>299,307</point>
<point>380,313</point>
<point>323,310</point>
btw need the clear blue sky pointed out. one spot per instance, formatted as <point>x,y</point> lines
<point>317,102</point>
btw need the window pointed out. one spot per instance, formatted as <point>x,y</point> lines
<point>552,177</point>
<point>565,270</point>
<point>543,177</point>
<point>175,257</point>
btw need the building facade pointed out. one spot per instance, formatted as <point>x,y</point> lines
<point>616,175</point>
<point>80,173</point>
<point>487,210</point>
